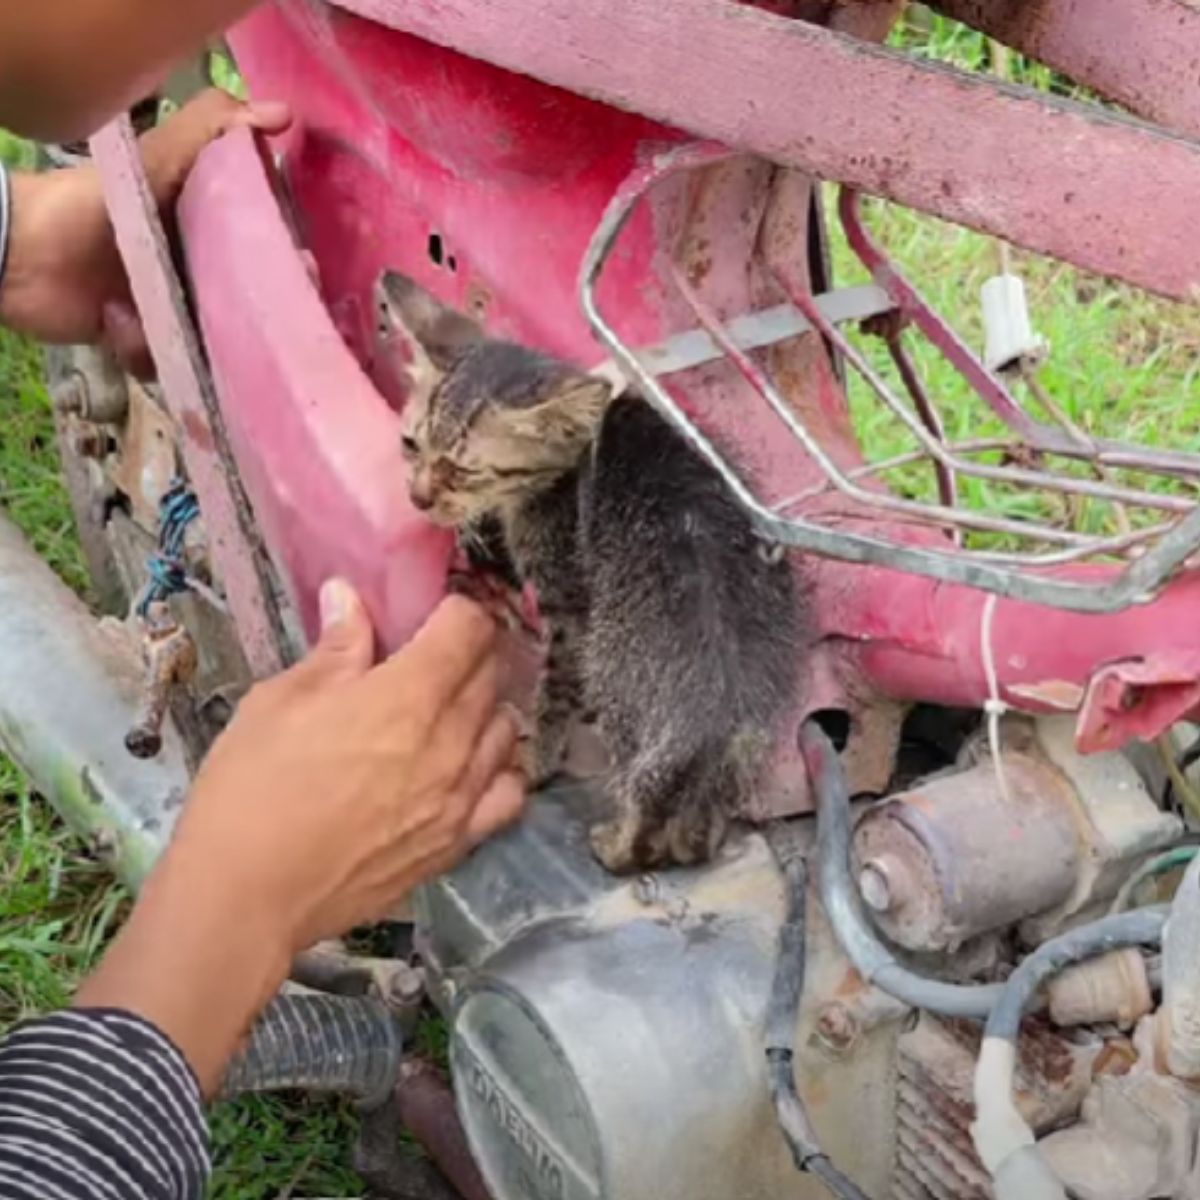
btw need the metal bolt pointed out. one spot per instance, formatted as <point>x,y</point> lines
<point>876,886</point>
<point>406,986</point>
<point>89,442</point>
<point>646,890</point>
<point>837,1027</point>
<point>71,396</point>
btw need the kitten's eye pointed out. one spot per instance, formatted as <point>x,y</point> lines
<point>409,446</point>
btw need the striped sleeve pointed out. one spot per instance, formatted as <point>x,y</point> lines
<point>97,1104</point>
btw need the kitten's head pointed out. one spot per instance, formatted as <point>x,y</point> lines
<point>487,423</point>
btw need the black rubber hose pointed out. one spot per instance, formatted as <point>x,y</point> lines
<point>783,1014</point>
<point>318,1043</point>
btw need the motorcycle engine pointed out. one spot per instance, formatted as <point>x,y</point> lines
<point>608,1033</point>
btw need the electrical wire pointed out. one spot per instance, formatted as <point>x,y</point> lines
<point>783,1014</point>
<point>1169,860</point>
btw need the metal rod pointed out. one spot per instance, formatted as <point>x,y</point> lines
<point>761,382</point>
<point>926,410</point>
<point>939,453</point>
<point>989,387</point>
<point>1136,584</point>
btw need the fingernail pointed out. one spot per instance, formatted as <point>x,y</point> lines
<point>336,601</point>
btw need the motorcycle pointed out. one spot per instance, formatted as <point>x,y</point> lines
<point>992,760</point>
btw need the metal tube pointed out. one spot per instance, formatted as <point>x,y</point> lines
<point>69,692</point>
<point>1135,585</point>
<point>1181,980</point>
<point>427,1110</point>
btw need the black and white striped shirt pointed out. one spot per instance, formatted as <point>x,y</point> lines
<point>97,1104</point>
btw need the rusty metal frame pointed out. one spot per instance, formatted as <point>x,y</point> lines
<point>1144,54</point>
<point>1138,582</point>
<point>189,392</point>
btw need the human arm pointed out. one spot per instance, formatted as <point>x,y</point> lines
<point>66,67</point>
<point>63,280</point>
<point>337,789</point>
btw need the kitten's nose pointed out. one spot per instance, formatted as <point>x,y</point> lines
<point>420,492</point>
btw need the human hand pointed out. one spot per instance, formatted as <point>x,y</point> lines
<point>65,281</point>
<point>337,789</point>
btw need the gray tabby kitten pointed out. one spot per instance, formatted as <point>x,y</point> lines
<point>670,621</point>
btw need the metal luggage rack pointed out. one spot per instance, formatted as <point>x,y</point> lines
<point>1150,548</point>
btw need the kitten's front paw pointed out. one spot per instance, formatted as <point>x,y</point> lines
<point>540,763</point>
<point>695,835</point>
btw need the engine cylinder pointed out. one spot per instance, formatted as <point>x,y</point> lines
<point>959,855</point>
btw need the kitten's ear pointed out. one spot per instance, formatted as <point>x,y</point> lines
<point>432,335</point>
<point>572,410</point>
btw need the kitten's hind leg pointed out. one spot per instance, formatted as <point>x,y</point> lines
<point>697,827</point>
<point>636,837</point>
<point>669,813</point>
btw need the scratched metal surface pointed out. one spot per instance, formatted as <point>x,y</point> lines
<point>1144,54</point>
<point>1063,179</point>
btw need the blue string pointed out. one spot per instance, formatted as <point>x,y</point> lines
<point>168,573</point>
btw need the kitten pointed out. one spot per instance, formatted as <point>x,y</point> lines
<point>670,621</point>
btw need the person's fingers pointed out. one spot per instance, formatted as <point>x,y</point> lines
<point>501,805</point>
<point>445,654</point>
<point>170,150</point>
<point>346,647</point>
<point>456,727</point>
<point>264,116</point>
<point>493,753</point>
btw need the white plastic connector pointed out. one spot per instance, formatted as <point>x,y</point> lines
<point>1006,323</point>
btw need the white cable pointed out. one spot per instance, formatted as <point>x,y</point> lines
<point>994,706</point>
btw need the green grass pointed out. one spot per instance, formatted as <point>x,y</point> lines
<point>58,907</point>
<point>1121,362</point>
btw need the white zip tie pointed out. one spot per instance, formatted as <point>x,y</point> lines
<point>994,706</point>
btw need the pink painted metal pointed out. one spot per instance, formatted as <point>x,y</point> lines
<point>1139,697</point>
<point>917,640</point>
<point>318,448</point>
<point>1067,180</point>
<point>486,187</point>
<point>188,389</point>
<point>1144,54</point>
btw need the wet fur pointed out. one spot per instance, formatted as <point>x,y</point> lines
<point>670,621</point>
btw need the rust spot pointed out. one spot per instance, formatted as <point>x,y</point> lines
<point>852,985</point>
<point>479,301</point>
<point>198,432</point>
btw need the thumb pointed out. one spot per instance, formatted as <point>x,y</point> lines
<point>346,648</point>
<point>125,337</point>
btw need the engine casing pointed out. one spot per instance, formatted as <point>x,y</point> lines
<point>607,1033</point>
